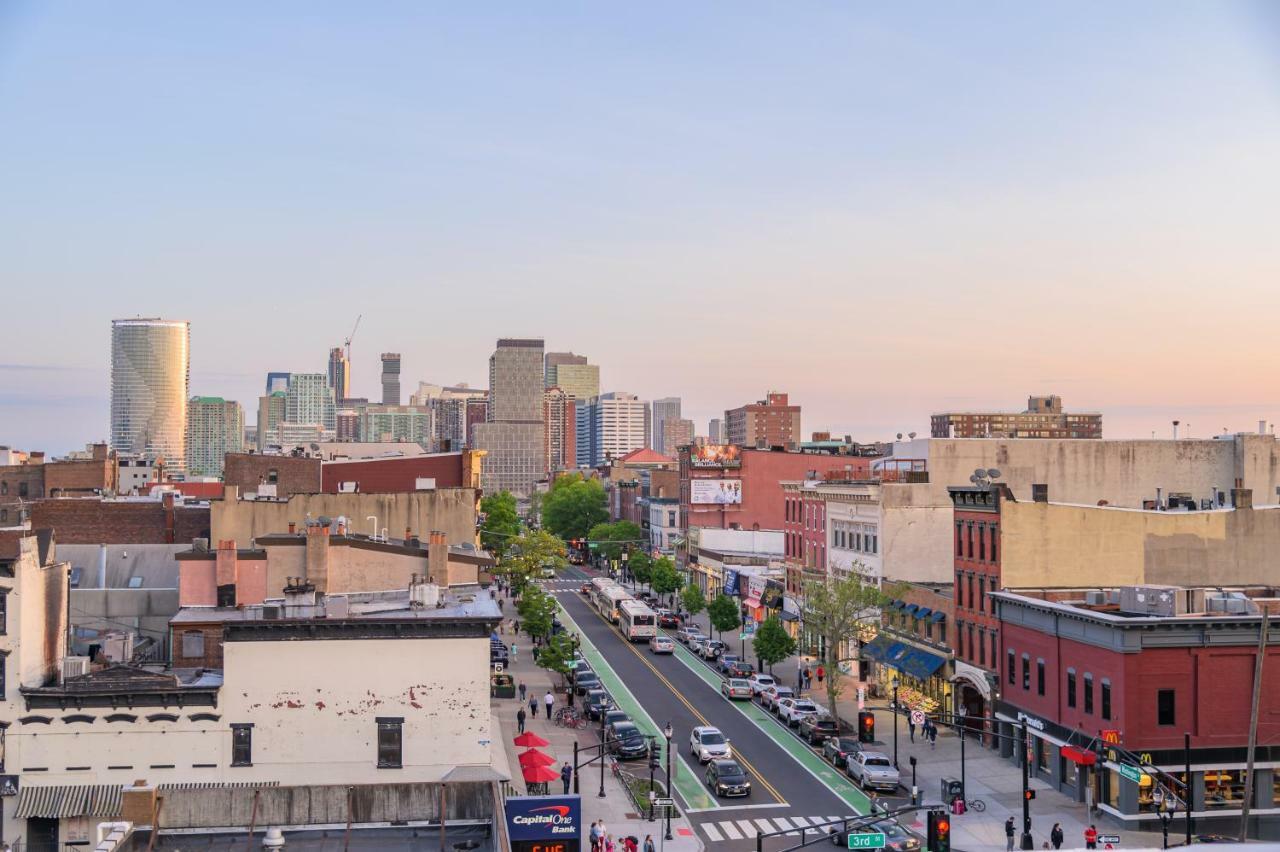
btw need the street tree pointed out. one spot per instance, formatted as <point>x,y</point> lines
<point>693,600</point>
<point>664,578</point>
<point>772,643</point>
<point>613,538</point>
<point>556,654</point>
<point>537,609</point>
<point>640,564</point>
<point>834,610</point>
<point>724,614</point>
<point>501,524</point>
<point>530,555</point>
<point>573,506</point>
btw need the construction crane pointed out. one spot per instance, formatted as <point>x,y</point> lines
<point>347,342</point>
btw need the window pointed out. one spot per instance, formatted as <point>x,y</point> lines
<point>970,533</point>
<point>4,488</point>
<point>1026,672</point>
<point>1164,707</point>
<point>942,632</point>
<point>1224,789</point>
<point>4,614</point>
<point>273,475</point>
<point>959,638</point>
<point>1088,693</point>
<point>390,740</point>
<point>1012,665</point>
<point>671,520</point>
<point>928,629</point>
<point>982,542</point>
<point>1106,698</point>
<point>242,744</point>
<point>982,648</point>
<point>1071,687</point>
<point>959,539</point>
<point>4,680</point>
<point>971,646</point>
<point>1039,676</point>
<point>193,643</point>
<point>994,535</point>
<point>995,650</point>
<point>971,606</point>
<point>959,588</point>
<point>982,594</point>
<point>22,489</point>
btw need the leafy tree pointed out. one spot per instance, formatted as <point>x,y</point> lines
<point>613,538</point>
<point>724,614</point>
<point>640,564</point>
<point>664,578</point>
<point>534,515</point>
<point>501,524</point>
<point>557,652</point>
<point>833,610</point>
<point>693,600</point>
<point>537,609</point>
<point>772,643</point>
<point>528,556</point>
<point>573,506</point>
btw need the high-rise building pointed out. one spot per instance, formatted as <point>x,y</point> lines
<point>560,426</point>
<point>382,423</point>
<point>667,408</point>
<point>277,382</point>
<point>676,433</point>
<point>339,374</point>
<point>513,434</point>
<point>572,374</point>
<point>715,431</point>
<point>270,415</point>
<point>1044,418</point>
<point>619,424</point>
<point>390,378</point>
<point>310,400</point>
<point>585,448</point>
<point>215,427</point>
<point>771,422</point>
<point>449,406</point>
<point>347,424</point>
<point>150,384</point>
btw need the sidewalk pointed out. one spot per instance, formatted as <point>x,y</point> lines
<point>615,809</point>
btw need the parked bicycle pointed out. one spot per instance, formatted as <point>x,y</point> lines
<point>975,805</point>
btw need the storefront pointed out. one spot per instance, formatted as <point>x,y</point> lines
<point>920,674</point>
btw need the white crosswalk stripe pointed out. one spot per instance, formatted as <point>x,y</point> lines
<point>783,825</point>
<point>748,828</point>
<point>729,829</point>
<point>765,826</point>
<point>713,834</point>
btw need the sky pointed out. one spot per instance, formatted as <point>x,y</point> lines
<point>885,210</point>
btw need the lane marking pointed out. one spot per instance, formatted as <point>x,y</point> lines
<point>747,828</point>
<point>782,823</point>
<point>712,832</point>
<point>765,825</point>
<point>729,829</point>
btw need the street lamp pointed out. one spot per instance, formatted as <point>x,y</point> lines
<point>667,732</point>
<point>895,722</point>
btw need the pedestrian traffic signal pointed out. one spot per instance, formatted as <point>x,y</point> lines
<point>866,726</point>
<point>939,839</point>
<point>655,754</point>
<point>1028,794</point>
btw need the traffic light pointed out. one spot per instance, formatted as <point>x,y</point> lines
<point>939,832</point>
<point>655,754</point>
<point>866,726</point>
<point>1028,794</point>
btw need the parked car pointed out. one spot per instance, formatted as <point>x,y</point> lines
<point>792,710</point>
<point>662,645</point>
<point>695,643</point>
<point>818,728</point>
<point>872,769</point>
<point>595,702</point>
<point>770,697</point>
<point>760,682</point>
<point>630,743</point>
<point>684,634</point>
<point>726,778</point>
<point>711,648</point>
<point>838,749</point>
<point>613,714</point>
<point>707,743</point>
<point>735,689</point>
<point>586,681</point>
<point>668,619</point>
<point>740,669</point>
<point>724,661</point>
<point>895,836</point>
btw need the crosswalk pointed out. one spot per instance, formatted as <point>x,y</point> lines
<point>746,829</point>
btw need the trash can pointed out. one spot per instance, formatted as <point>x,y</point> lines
<point>952,789</point>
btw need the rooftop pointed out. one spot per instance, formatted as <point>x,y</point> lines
<point>458,603</point>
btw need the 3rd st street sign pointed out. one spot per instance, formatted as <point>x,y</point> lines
<point>870,840</point>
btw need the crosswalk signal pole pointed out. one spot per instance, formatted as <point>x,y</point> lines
<point>671,787</point>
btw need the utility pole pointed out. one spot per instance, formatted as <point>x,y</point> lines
<point>1186,757</point>
<point>1253,728</point>
<point>1027,842</point>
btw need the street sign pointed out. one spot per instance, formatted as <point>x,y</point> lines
<point>917,717</point>
<point>661,802</point>
<point>875,840</point>
<point>1131,772</point>
<point>1113,839</point>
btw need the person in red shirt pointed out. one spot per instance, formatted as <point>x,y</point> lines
<point>1091,837</point>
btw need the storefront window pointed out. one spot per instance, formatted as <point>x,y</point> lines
<point>1070,771</point>
<point>1146,798</point>
<point>1224,789</point>
<point>1044,749</point>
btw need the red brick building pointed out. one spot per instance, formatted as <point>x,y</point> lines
<point>84,520</point>
<point>36,478</point>
<point>287,474</point>
<point>404,473</point>
<point>771,422</point>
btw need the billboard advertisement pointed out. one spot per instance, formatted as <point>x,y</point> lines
<point>545,823</point>
<point>722,492</point>
<point>715,455</point>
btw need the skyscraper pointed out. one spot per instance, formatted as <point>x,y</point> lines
<point>560,425</point>
<point>277,382</point>
<point>150,383</point>
<point>619,424</point>
<point>513,433</point>
<point>339,374</point>
<point>215,427</point>
<point>390,378</point>
<point>676,433</point>
<point>310,400</point>
<point>270,416</point>
<point>715,431</point>
<point>667,408</point>
<point>572,374</point>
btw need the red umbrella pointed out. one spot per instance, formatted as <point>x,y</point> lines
<point>533,757</point>
<point>540,775</point>
<point>530,740</point>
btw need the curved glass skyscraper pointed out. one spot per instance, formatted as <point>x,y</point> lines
<point>150,377</point>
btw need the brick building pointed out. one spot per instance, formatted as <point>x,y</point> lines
<point>1043,418</point>
<point>288,474</point>
<point>93,472</point>
<point>977,549</point>
<point>398,475</point>
<point>770,422</point>
<point>86,520</point>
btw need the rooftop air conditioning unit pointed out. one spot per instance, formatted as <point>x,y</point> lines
<point>424,595</point>
<point>1237,606</point>
<point>270,613</point>
<point>348,487</point>
<point>74,667</point>
<point>1215,603</point>
<point>1095,597</point>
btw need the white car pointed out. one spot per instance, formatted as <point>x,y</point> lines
<point>707,743</point>
<point>792,710</point>
<point>760,682</point>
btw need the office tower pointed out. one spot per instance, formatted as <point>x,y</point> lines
<point>150,381</point>
<point>553,360</point>
<point>449,409</point>
<point>270,416</point>
<point>771,422</point>
<point>584,437</point>
<point>339,374</point>
<point>477,413</point>
<point>215,427</point>
<point>347,424</point>
<point>715,431</point>
<point>309,400</point>
<point>667,408</point>
<point>512,434</point>
<point>572,374</point>
<point>1043,418</point>
<point>619,424</point>
<point>676,433</point>
<point>390,378</point>
<point>382,423</point>
<point>277,382</point>
<point>560,429</point>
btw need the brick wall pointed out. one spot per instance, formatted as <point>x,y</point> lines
<point>395,476</point>
<point>90,521</point>
<point>211,658</point>
<point>292,475</point>
<point>68,478</point>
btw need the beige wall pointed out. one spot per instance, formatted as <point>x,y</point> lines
<point>1047,544</point>
<point>39,599</point>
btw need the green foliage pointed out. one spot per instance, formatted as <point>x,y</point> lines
<point>627,534</point>
<point>556,653</point>
<point>537,609</point>
<point>664,578</point>
<point>640,564</point>
<point>501,523</point>
<point>530,555</point>
<point>833,610</point>
<point>693,600</point>
<point>724,614</point>
<point>573,506</point>
<point>772,644</point>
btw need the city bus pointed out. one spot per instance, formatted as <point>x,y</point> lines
<point>636,621</point>
<point>609,599</point>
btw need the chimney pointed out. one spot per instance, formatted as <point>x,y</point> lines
<point>1262,427</point>
<point>251,582</point>
<point>293,528</point>
<point>99,452</point>
<point>35,457</point>
<point>317,569</point>
<point>197,582</point>
<point>1242,498</point>
<point>1159,499</point>
<point>1040,492</point>
<point>226,562</point>
<point>408,533</point>
<point>138,804</point>
<point>438,559</point>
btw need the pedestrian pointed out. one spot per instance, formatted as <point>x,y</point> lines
<point>629,844</point>
<point>533,706</point>
<point>821,674</point>
<point>933,735</point>
<point>1055,835</point>
<point>1091,837</point>
<point>911,727</point>
<point>595,837</point>
<point>522,691</point>
<point>520,717</point>
<point>608,843</point>
<point>1008,834</point>
<point>648,843</point>
<point>515,650</point>
<point>550,701</point>
<point>1046,845</point>
<point>566,775</point>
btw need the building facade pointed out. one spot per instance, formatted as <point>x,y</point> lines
<point>339,374</point>
<point>1044,417</point>
<point>771,422</point>
<point>663,410</point>
<point>512,434</point>
<point>309,401</point>
<point>383,423</point>
<point>619,425</point>
<point>676,434</point>
<point>215,427</point>
<point>560,424</point>
<point>150,385</point>
<point>572,374</point>
<point>715,431</point>
<point>390,378</point>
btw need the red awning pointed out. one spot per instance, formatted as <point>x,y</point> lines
<point>754,603</point>
<point>1080,756</point>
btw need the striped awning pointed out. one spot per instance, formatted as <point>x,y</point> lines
<point>72,800</point>
<point>217,785</point>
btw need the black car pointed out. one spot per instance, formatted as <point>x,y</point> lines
<point>726,778</point>
<point>740,669</point>
<point>595,702</point>
<point>628,743</point>
<point>584,682</point>
<point>836,749</point>
<point>818,728</point>
<point>896,838</point>
<point>580,670</point>
<point>613,714</point>
<point>669,620</point>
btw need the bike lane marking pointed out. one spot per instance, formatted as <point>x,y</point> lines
<point>686,780</point>
<point>834,780</point>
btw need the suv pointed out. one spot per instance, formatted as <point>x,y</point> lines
<point>818,728</point>
<point>760,682</point>
<point>838,749</point>
<point>630,743</point>
<point>595,702</point>
<point>684,634</point>
<point>707,743</point>
<point>726,660</point>
<point>872,769</point>
<point>695,643</point>
<point>792,710</point>
<point>711,648</point>
<point>726,778</point>
<point>770,697</point>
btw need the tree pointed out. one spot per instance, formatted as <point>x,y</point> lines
<point>640,564</point>
<point>557,652</point>
<point>613,538</point>
<point>573,506</point>
<point>724,614</point>
<point>833,610</point>
<point>501,524</point>
<point>537,610</point>
<point>772,643</point>
<point>693,600</point>
<point>529,556</point>
<point>664,578</point>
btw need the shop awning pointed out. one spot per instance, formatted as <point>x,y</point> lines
<point>937,616</point>
<point>913,661</point>
<point>923,612</point>
<point>72,800</point>
<point>897,604</point>
<point>877,648</point>
<point>787,615</point>
<point>754,603</point>
<point>911,608</point>
<point>1079,755</point>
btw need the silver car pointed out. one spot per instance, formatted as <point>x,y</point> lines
<point>872,769</point>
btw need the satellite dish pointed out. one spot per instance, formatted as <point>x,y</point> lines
<point>899,436</point>
<point>973,479</point>
<point>911,435</point>
<point>993,473</point>
<point>980,472</point>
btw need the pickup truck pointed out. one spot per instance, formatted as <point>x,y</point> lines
<point>872,769</point>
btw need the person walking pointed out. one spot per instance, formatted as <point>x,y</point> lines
<point>520,717</point>
<point>1008,834</point>
<point>522,692</point>
<point>911,727</point>
<point>566,775</point>
<point>550,702</point>
<point>933,735</point>
<point>821,674</point>
<point>595,837</point>
<point>648,843</point>
<point>515,650</point>
<point>1055,835</point>
<point>533,706</point>
<point>1091,837</point>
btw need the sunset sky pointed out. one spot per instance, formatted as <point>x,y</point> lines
<point>883,210</point>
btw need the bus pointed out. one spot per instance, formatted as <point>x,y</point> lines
<point>636,621</point>
<point>608,600</point>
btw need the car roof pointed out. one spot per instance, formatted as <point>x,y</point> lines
<point>737,681</point>
<point>724,763</point>
<point>869,754</point>
<point>706,729</point>
<point>622,726</point>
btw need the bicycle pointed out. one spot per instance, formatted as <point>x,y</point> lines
<point>975,805</point>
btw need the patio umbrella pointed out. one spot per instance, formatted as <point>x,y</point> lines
<point>530,740</point>
<point>540,775</point>
<point>533,757</point>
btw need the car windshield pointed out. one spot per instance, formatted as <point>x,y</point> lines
<point>711,738</point>
<point>764,679</point>
<point>739,684</point>
<point>805,705</point>
<point>731,773</point>
<point>877,761</point>
<point>825,723</point>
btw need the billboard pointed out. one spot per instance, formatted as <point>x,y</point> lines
<point>545,823</point>
<point>721,492</point>
<point>715,455</point>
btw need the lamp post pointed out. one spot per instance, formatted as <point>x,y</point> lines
<point>895,723</point>
<point>671,791</point>
<point>1027,842</point>
<point>603,747</point>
